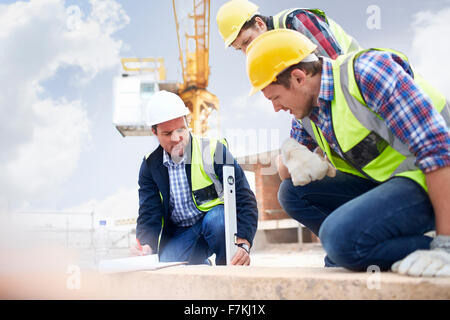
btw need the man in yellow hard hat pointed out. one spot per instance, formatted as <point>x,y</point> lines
<point>181,211</point>
<point>239,22</point>
<point>385,130</point>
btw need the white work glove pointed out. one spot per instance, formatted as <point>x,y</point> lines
<point>303,165</point>
<point>427,263</point>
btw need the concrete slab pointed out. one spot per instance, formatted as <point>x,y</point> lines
<point>261,283</point>
<point>56,274</point>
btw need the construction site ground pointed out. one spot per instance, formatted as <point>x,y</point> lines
<point>289,255</point>
<point>289,271</point>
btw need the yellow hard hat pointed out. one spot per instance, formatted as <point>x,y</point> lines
<point>272,52</point>
<point>232,16</point>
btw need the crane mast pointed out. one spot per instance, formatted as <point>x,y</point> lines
<point>193,45</point>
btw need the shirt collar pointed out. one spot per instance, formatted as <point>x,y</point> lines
<point>327,83</point>
<point>269,24</point>
<point>166,158</point>
<point>168,162</point>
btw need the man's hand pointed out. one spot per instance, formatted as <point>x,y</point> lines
<point>424,263</point>
<point>331,172</point>
<point>283,171</point>
<point>303,165</point>
<point>242,257</point>
<point>136,251</point>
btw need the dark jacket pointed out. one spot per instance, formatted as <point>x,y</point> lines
<point>154,179</point>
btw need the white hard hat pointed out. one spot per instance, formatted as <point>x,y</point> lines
<point>164,106</point>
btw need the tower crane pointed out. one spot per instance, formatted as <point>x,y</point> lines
<point>193,45</point>
<point>142,77</point>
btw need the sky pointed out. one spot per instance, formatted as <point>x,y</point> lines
<point>59,149</point>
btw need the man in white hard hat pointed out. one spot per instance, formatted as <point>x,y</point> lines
<point>181,213</point>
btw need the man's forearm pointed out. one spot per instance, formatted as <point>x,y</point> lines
<point>438,183</point>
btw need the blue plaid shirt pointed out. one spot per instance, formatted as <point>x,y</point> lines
<point>318,31</point>
<point>387,87</point>
<point>184,211</point>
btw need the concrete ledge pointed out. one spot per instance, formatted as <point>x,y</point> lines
<point>54,274</point>
<point>225,283</point>
<point>261,283</point>
<point>278,224</point>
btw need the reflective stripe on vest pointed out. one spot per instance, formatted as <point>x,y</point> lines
<point>365,140</point>
<point>160,235</point>
<point>346,42</point>
<point>207,190</point>
<point>208,162</point>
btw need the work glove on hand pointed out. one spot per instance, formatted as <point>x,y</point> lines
<point>427,263</point>
<point>303,165</point>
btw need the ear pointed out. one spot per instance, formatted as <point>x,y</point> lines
<point>298,76</point>
<point>260,24</point>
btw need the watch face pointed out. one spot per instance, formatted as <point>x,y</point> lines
<point>230,180</point>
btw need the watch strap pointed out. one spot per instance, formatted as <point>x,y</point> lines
<point>244,246</point>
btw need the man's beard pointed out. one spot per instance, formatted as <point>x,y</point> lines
<point>177,153</point>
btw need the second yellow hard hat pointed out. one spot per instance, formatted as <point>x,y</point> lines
<point>272,52</point>
<point>232,16</point>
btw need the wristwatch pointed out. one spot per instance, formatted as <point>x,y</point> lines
<point>244,246</point>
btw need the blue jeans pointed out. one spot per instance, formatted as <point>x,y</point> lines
<point>361,223</point>
<point>196,243</point>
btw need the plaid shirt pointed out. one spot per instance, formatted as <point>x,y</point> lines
<point>317,30</point>
<point>388,89</point>
<point>184,211</point>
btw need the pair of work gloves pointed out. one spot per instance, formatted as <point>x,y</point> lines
<point>306,166</point>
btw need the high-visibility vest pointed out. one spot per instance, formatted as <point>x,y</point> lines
<point>368,146</point>
<point>207,190</point>
<point>347,42</point>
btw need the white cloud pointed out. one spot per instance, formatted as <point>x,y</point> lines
<point>252,126</point>
<point>59,131</point>
<point>253,104</point>
<point>431,46</point>
<point>41,139</point>
<point>123,204</point>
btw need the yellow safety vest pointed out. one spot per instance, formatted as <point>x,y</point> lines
<point>207,190</point>
<point>370,149</point>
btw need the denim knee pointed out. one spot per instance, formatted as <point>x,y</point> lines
<point>282,193</point>
<point>289,196</point>
<point>338,244</point>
